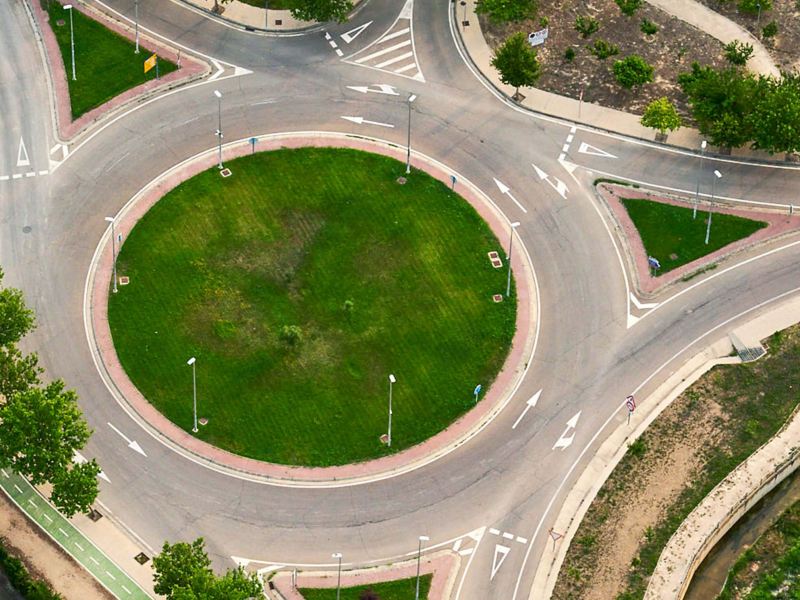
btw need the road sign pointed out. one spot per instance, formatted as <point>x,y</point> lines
<point>537,38</point>
<point>150,63</point>
<point>630,403</point>
<point>653,262</point>
<point>453,182</point>
<point>477,389</point>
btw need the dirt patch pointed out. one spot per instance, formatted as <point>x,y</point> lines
<point>784,48</point>
<point>43,558</point>
<point>671,51</point>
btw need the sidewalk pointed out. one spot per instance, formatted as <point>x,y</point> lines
<point>253,17</point>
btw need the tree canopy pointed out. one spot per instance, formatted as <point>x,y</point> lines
<point>516,62</point>
<point>322,10</point>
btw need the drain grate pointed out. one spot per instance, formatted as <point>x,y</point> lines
<point>141,558</point>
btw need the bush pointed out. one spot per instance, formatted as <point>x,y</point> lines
<point>771,29</point>
<point>751,6</point>
<point>738,53</point>
<point>569,53</point>
<point>633,70</point>
<point>291,334</point>
<point>603,49</point>
<point>544,21</point>
<point>503,11</point>
<point>21,580</point>
<point>662,115</point>
<point>628,7</point>
<point>648,27</point>
<point>586,26</point>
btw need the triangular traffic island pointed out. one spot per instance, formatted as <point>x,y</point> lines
<point>666,240</point>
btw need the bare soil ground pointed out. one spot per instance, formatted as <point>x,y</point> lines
<point>784,47</point>
<point>671,51</point>
<point>44,559</point>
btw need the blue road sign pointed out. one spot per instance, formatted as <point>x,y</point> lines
<point>477,389</point>
<point>653,262</point>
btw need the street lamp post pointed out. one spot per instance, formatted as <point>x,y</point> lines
<point>514,225</point>
<point>218,94</point>
<point>338,556</point>
<point>113,250</point>
<point>191,362</point>
<point>717,175</point>
<point>392,380</point>
<point>422,538</point>
<point>411,99</point>
<point>136,21</point>
<point>266,14</point>
<point>71,38</point>
<point>703,145</point>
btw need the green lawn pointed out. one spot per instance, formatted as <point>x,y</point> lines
<point>273,4</point>
<point>219,267</point>
<point>105,63</point>
<point>402,589</point>
<point>670,234</point>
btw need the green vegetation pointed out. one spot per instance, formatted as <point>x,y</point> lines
<point>648,27</point>
<point>738,53</point>
<point>274,4</point>
<point>667,230</point>
<point>322,10</point>
<point>602,49</point>
<point>21,580</point>
<point>633,71</point>
<point>629,7</point>
<point>661,115</point>
<point>105,63</point>
<point>221,269</point>
<point>401,589</point>
<point>504,11</point>
<point>586,25</point>
<point>517,63</point>
<point>742,406</point>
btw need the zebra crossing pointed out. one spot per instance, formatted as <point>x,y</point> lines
<point>394,51</point>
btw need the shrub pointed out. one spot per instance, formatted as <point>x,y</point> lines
<point>291,334</point>
<point>603,49</point>
<point>738,53</point>
<point>544,21</point>
<point>648,27</point>
<point>503,11</point>
<point>770,29</point>
<point>628,7</point>
<point>633,70</point>
<point>586,26</point>
<point>661,115</point>
<point>569,53</point>
<point>752,6</point>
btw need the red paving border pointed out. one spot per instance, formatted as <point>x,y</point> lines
<point>494,400</point>
<point>779,223</point>
<point>191,69</point>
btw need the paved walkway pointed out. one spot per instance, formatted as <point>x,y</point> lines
<point>255,17</point>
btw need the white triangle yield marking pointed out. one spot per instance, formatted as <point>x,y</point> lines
<point>591,150</point>
<point>500,553</point>
<point>632,320</point>
<point>641,305</point>
<point>407,8</point>
<point>241,71</point>
<point>349,36</point>
<point>22,155</point>
<point>477,534</point>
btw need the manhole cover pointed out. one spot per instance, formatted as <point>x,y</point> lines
<point>124,280</point>
<point>497,297</point>
<point>203,421</point>
<point>401,180</point>
<point>384,439</point>
<point>226,173</point>
<point>141,558</point>
<point>673,256</point>
<point>27,229</point>
<point>61,22</point>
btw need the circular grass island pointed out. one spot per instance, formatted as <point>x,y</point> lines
<point>299,284</point>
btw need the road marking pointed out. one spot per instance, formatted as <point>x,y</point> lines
<point>79,547</point>
<point>504,189</point>
<point>44,172</point>
<point>110,575</point>
<point>94,560</point>
<point>379,53</point>
<point>17,176</point>
<point>559,186</point>
<point>566,441</point>
<point>457,545</point>
<point>49,520</point>
<point>508,536</point>
<point>593,151</point>
<point>18,488</point>
<point>466,552</point>
<point>494,531</point>
<point>3,471</point>
<point>570,137</point>
<point>104,477</point>
<point>64,533</point>
<point>349,36</point>
<point>339,53</point>
<point>23,160</point>
<point>500,553</point>
<point>642,305</point>
<point>31,502</point>
<point>5,177</point>
<point>386,38</point>
<point>391,61</point>
<point>408,67</point>
<point>131,443</point>
<point>363,121</point>
<point>522,540</point>
<point>127,591</point>
<point>528,405</point>
<point>383,88</point>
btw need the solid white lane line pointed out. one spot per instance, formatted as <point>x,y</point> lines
<point>391,61</point>
<point>385,51</point>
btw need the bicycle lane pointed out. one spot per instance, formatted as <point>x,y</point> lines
<point>66,535</point>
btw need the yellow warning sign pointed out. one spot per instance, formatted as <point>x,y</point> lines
<point>150,63</point>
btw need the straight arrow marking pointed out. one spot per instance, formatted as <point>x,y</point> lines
<point>363,121</point>
<point>23,160</point>
<point>560,187</point>
<point>131,443</point>
<point>383,88</point>
<point>528,405</point>
<point>500,553</point>
<point>504,189</point>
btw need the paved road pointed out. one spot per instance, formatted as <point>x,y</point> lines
<point>587,359</point>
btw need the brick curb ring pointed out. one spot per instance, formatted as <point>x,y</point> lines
<point>457,433</point>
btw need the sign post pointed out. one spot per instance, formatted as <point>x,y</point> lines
<point>151,63</point>
<point>537,38</point>
<point>631,404</point>
<point>253,141</point>
<point>477,391</point>
<point>452,182</point>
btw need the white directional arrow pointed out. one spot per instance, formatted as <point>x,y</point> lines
<point>559,186</point>
<point>79,459</point>
<point>591,150</point>
<point>22,155</point>
<point>383,88</point>
<point>504,189</point>
<point>528,405</point>
<point>564,441</point>
<point>363,121</point>
<point>500,553</point>
<point>354,33</point>
<point>133,445</point>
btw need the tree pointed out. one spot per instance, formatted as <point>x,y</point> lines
<point>628,7</point>
<point>754,6</point>
<point>662,115</point>
<point>236,584</point>
<point>738,53</point>
<point>17,372</point>
<point>503,11</point>
<point>633,70</point>
<point>75,490</point>
<point>516,62</point>
<point>322,10</point>
<point>775,117</point>
<point>16,319</point>
<point>40,430</point>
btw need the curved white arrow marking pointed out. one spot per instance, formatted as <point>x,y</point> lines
<point>566,441</point>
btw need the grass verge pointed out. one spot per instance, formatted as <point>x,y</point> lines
<point>401,589</point>
<point>105,62</point>
<point>670,234</point>
<point>273,4</point>
<point>742,406</point>
<point>300,283</point>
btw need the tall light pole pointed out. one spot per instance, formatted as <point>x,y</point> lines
<point>514,225</point>
<point>411,99</point>
<point>392,380</point>
<point>71,38</point>
<point>113,250</point>
<point>717,175</point>
<point>191,362</point>
<point>266,14</point>
<point>218,94</point>
<point>422,538</point>
<point>136,21</point>
<point>703,145</point>
<point>338,556</point>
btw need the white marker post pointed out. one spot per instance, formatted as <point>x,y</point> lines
<point>514,225</point>
<point>71,38</point>
<point>703,145</point>
<point>192,362</point>
<point>136,22</point>
<point>113,251</point>
<point>392,381</point>
<point>218,94</point>
<point>422,538</point>
<point>338,556</point>
<point>717,175</point>
<point>411,99</point>
<point>477,391</point>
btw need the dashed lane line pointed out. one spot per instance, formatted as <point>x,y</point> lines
<point>26,175</point>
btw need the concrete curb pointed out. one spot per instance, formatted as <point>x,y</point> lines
<point>458,433</point>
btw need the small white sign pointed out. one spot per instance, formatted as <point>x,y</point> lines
<point>537,38</point>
